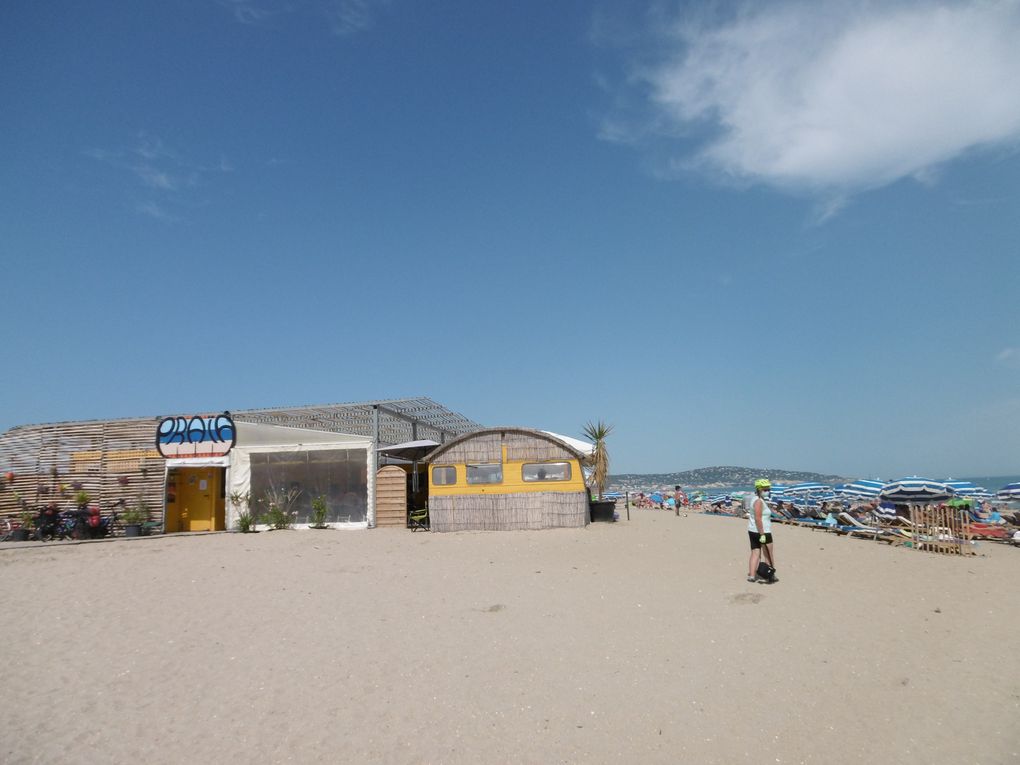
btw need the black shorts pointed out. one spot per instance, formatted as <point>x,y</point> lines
<point>755,544</point>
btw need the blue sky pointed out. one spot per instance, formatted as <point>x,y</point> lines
<point>779,235</point>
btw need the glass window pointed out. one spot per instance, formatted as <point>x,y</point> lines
<point>484,473</point>
<point>339,475</point>
<point>444,476</point>
<point>546,471</point>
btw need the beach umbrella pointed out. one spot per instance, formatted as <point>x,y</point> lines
<point>864,488</point>
<point>965,488</point>
<point>808,488</point>
<point>915,490</point>
<point>1009,491</point>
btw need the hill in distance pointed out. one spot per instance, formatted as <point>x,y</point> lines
<point>718,477</point>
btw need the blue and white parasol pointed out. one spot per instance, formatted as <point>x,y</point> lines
<point>864,488</point>
<point>808,488</point>
<point>966,488</point>
<point>1009,491</point>
<point>915,490</point>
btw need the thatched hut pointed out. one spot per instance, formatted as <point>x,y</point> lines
<point>506,478</point>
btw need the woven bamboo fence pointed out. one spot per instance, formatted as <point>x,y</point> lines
<point>944,530</point>
<point>483,448</point>
<point>526,447</point>
<point>508,512</point>
<point>111,460</point>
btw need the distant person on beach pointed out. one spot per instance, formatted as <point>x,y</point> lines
<point>759,529</point>
<point>678,499</point>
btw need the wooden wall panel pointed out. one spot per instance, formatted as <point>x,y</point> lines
<point>391,497</point>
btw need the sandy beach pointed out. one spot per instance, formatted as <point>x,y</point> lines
<point>638,641</point>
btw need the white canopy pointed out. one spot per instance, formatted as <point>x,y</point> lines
<point>584,447</point>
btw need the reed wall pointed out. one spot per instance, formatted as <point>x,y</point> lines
<point>508,512</point>
<point>524,447</point>
<point>483,448</point>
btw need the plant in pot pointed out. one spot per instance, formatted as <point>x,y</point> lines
<point>247,518</point>
<point>597,433</point>
<point>82,499</point>
<point>319,513</point>
<point>133,518</point>
<point>24,532</point>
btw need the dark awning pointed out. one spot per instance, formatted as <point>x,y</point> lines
<point>409,450</point>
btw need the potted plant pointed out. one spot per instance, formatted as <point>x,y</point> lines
<point>319,512</point>
<point>82,499</point>
<point>133,518</point>
<point>246,517</point>
<point>24,532</point>
<point>597,432</point>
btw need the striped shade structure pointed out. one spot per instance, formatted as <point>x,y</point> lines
<point>916,490</point>
<point>965,488</point>
<point>865,488</point>
<point>1009,491</point>
<point>808,488</point>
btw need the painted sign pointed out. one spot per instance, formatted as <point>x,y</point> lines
<point>197,436</point>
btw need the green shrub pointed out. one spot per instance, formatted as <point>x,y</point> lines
<point>134,516</point>
<point>247,521</point>
<point>319,512</point>
<point>278,518</point>
<point>247,518</point>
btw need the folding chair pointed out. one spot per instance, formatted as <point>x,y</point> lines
<point>418,520</point>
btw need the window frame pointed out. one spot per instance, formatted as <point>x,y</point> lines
<point>467,473</point>
<point>444,467</point>
<point>547,479</point>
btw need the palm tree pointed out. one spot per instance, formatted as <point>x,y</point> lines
<point>597,433</point>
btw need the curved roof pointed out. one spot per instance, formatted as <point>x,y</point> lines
<point>538,434</point>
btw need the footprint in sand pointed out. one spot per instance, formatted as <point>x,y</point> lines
<point>746,597</point>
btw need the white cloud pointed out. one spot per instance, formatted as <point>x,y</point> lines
<point>1009,358</point>
<point>839,97</point>
<point>154,210</point>
<point>249,11</point>
<point>346,17</point>
<point>164,173</point>
<point>343,17</point>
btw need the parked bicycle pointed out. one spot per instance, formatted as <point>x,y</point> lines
<point>99,526</point>
<point>80,523</point>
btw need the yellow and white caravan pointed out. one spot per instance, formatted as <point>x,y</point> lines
<point>506,478</point>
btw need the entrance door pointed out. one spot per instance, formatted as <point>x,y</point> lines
<point>199,500</point>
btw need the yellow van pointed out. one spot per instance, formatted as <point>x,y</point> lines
<point>506,478</point>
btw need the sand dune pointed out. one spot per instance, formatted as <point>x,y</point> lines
<point>631,642</point>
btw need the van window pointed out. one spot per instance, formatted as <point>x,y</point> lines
<point>546,471</point>
<point>444,476</point>
<point>484,473</point>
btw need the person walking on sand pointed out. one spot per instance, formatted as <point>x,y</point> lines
<point>759,530</point>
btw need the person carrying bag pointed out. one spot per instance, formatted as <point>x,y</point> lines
<point>759,532</point>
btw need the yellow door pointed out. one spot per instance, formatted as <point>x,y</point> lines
<point>198,490</point>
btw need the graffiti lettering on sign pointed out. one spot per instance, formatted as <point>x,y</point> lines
<point>196,436</point>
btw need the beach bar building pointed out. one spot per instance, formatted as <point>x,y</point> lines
<point>504,479</point>
<point>184,469</point>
